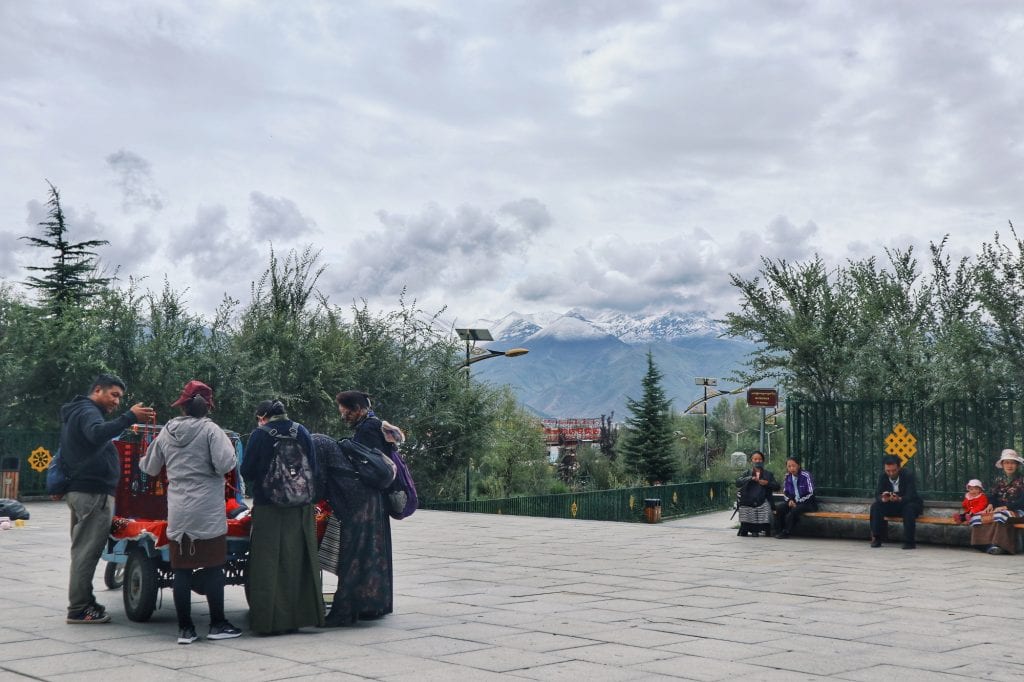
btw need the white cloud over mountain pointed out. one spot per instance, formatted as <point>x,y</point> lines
<point>489,156</point>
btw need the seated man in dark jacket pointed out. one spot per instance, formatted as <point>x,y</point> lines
<point>895,495</point>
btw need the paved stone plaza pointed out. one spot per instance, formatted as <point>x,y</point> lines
<point>482,597</point>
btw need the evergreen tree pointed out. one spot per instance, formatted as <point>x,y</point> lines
<point>649,447</point>
<point>72,277</point>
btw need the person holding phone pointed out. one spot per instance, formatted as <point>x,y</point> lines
<point>895,495</point>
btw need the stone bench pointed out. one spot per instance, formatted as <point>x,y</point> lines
<point>846,517</point>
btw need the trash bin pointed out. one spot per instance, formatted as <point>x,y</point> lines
<point>652,510</point>
<point>9,478</point>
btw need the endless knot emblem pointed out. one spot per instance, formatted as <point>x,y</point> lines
<point>901,443</point>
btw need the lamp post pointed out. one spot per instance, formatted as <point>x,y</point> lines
<point>736,434</point>
<point>705,382</point>
<point>471,336</point>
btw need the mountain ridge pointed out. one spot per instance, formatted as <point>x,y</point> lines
<point>586,363</point>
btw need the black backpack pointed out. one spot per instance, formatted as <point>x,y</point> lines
<point>289,481</point>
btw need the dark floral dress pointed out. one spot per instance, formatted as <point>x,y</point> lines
<point>364,558</point>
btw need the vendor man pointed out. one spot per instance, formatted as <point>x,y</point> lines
<point>93,471</point>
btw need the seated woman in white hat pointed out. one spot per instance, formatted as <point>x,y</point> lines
<point>1006,501</point>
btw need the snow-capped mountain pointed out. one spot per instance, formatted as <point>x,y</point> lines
<point>581,323</point>
<point>585,363</point>
<point>646,328</point>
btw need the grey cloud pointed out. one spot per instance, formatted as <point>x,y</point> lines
<point>277,218</point>
<point>781,238</point>
<point>591,15</point>
<point>135,178</point>
<point>132,252</point>
<point>10,244</point>
<point>439,249</point>
<point>688,272</point>
<point>36,212</point>
<point>530,212</point>
<point>213,250</point>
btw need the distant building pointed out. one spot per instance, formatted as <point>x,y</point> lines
<point>564,437</point>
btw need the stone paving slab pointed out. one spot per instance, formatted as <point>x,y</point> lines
<point>481,597</point>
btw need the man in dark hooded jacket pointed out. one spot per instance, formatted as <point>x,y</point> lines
<point>93,470</point>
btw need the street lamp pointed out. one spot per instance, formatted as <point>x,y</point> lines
<point>471,336</point>
<point>705,382</point>
<point>736,434</point>
<point>488,354</point>
<point>700,406</point>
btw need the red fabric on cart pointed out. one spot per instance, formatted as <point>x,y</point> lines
<point>134,529</point>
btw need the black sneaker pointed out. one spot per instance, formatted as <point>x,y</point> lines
<point>223,630</point>
<point>187,635</point>
<point>90,614</point>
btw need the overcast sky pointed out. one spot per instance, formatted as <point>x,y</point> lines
<point>529,155</point>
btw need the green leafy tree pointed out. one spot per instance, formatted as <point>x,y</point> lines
<point>799,316</point>
<point>866,331</point>
<point>688,431</point>
<point>1000,279</point>
<point>517,461</point>
<point>650,447</point>
<point>734,426</point>
<point>71,278</point>
<point>966,359</point>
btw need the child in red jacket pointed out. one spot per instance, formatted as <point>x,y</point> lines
<point>974,501</point>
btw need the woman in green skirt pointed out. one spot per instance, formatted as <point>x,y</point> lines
<point>284,573</point>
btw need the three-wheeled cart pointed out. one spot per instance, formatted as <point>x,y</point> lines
<point>137,550</point>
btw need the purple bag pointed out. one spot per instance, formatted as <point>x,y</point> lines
<point>402,499</point>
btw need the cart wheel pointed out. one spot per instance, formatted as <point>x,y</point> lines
<point>113,576</point>
<point>140,587</point>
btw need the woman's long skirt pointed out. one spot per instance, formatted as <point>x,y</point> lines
<point>1002,535</point>
<point>756,519</point>
<point>284,573</point>
<point>364,557</point>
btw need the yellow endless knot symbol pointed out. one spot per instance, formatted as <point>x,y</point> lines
<point>901,443</point>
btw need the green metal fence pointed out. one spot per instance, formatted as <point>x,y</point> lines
<point>16,454</point>
<point>624,504</point>
<point>842,442</point>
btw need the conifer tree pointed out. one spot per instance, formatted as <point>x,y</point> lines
<point>649,447</point>
<point>72,276</point>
